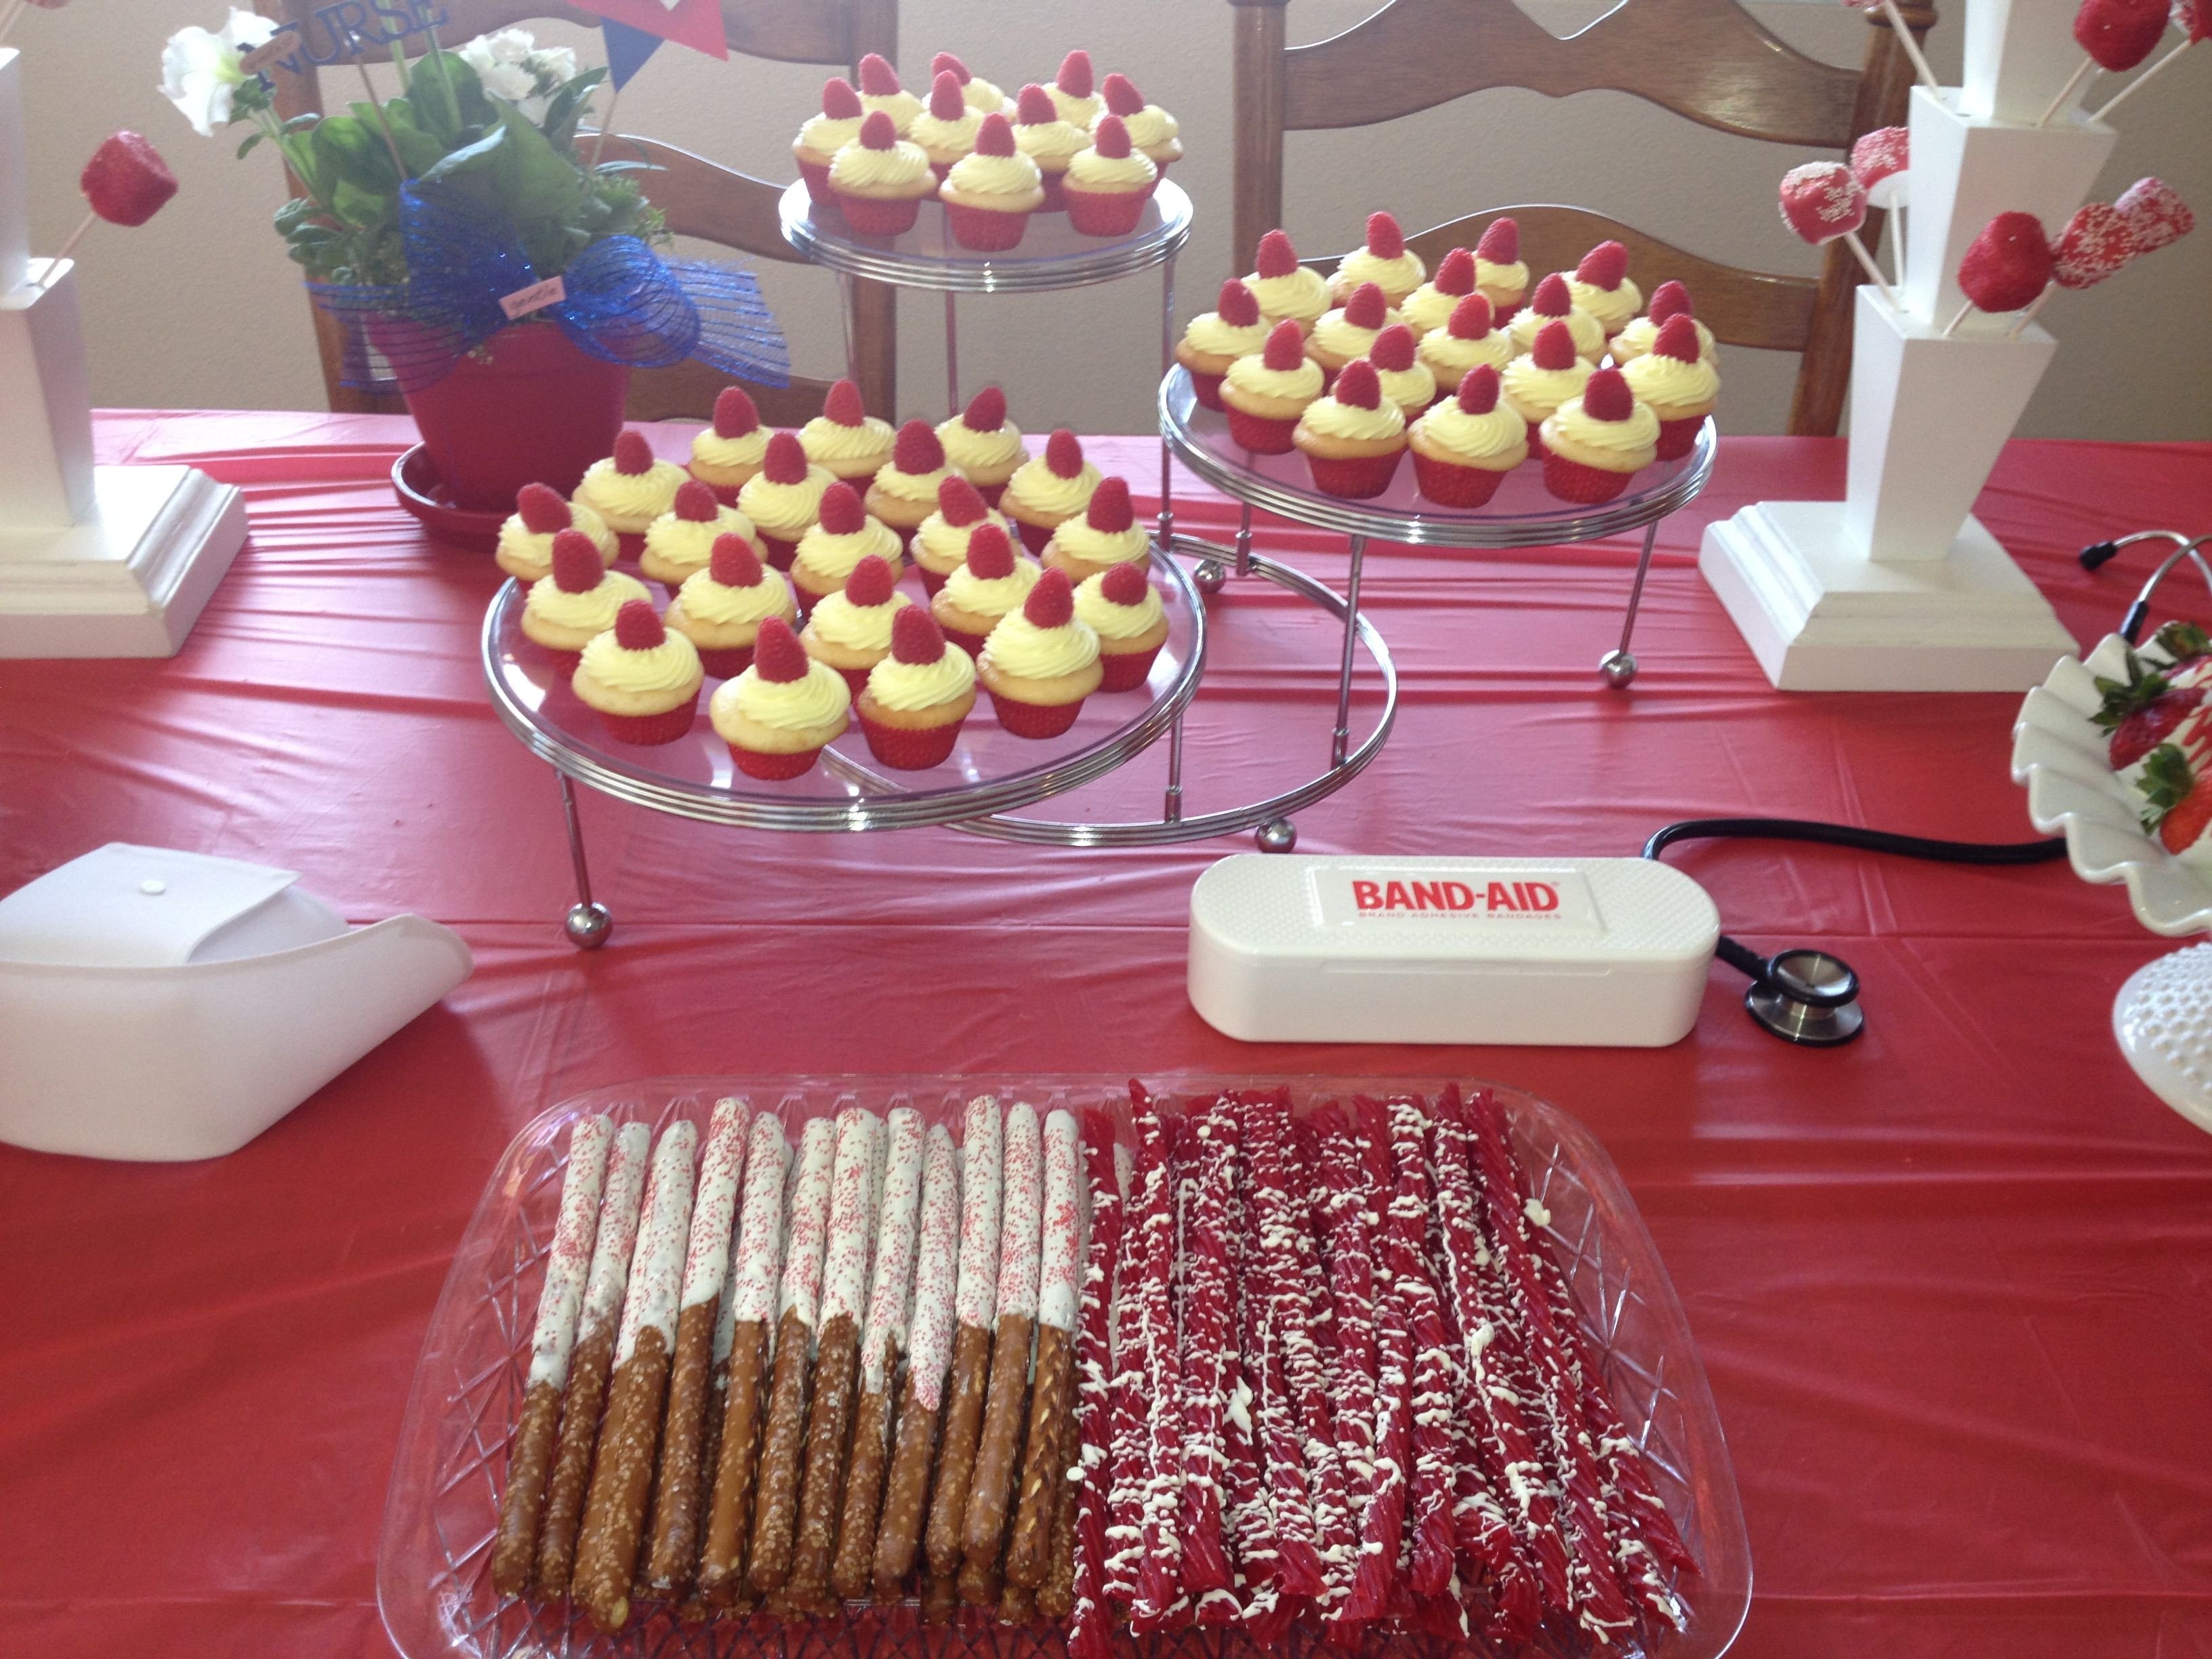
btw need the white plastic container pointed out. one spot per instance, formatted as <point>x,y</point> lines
<point>1596,952</point>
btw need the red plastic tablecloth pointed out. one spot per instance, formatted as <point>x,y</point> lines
<point>1953,1283</point>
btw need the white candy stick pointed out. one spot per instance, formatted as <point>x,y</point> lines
<point>845,1278</point>
<point>2028,315</point>
<point>656,1273</point>
<point>759,1260</point>
<point>2087,68</point>
<point>1021,1215</point>
<point>2141,81</point>
<point>1059,1284</point>
<point>884,1332</point>
<point>616,1236</point>
<point>1911,46</point>
<point>975,1301</point>
<point>808,1233</point>
<point>936,1269</point>
<point>707,1257</point>
<point>568,1264</point>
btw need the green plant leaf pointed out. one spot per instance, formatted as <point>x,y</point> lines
<point>247,144</point>
<point>566,108</point>
<point>540,182</point>
<point>470,163</point>
<point>354,151</point>
<point>296,213</point>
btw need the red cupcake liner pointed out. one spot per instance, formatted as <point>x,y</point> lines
<point>774,767</point>
<point>991,493</point>
<point>1106,213</point>
<point>1208,388</point>
<point>940,170</point>
<point>1260,434</point>
<point>1501,315</point>
<point>726,494</point>
<point>1448,483</point>
<point>907,748</point>
<point>1055,193</point>
<point>1034,536</point>
<point>1356,478</point>
<point>648,730</point>
<point>562,663</point>
<point>726,664</point>
<point>630,544</point>
<point>1035,719</point>
<point>984,230</point>
<point>1585,486</point>
<point>1327,379</point>
<point>1536,439</point>
<point>874,216</point>
<point>816,174</point>
<point>1678,438</point>
<point>780,551</point>
<point>1126,671</point>
<point>931,581</point>
<point>971,643</point>
<point>857,678</point>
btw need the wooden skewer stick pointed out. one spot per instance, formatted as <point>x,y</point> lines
<point>2028,315</point>
<point>54,265</point>
<point>1957,318</point>
<point>1872,269</point>
<point>1911,46</point>
<point>14,10</point>
<point>2136,85</point>
<point>600,139</point>
<point>2072,84</point>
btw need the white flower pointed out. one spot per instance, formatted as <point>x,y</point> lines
<point>200,72</point>
<point>512,66</point>
<point>556,64</point>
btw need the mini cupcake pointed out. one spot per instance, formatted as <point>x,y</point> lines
<point>853,444</point>
<point>879,180</point>
<point>678,544</point>
<point>1152,129</point>
<point>914,699</point>
<point>1540,379</point>
<point>1041,662</point>
<point>1349,330</point>
<point>1467,338</point>
<point>982,446</point>
<point>989,195</point>
<point>785,497</point>
<point>1353,437</point>
<point>1108,184</point>
<point>1074,92</point>
<point>940,545</point>
<point>777,715</point>
<point>526,538</point>
<point>1046,139</point>
<point>880,91</point>
<point>1681,387</point>
<point>824,135</point>
<point>1106,535</point>
<point>980,95</point>
<point>1595,443</point>
<point>1499,276</point>
<point>904,491</point>
<point>1600,287</point>
<point>1384,260</point>
<point>726,455</point>
<point>641,680</point>
<point>992,580</point>
<point>1215,339</point>
<point>1124,611</point>
<point>576,599</point>
<point>1430,306</point>
<point>721,609</point>
<point>1465,444</point>
<point>1407,382</point>
<point>1670,299</point>
<point>851,629</point>
<point>1286,290</point>
<point>833,547</point>
<point>946,129</point>
<point>631,488</point>
<point>1048,489</point>
<point>1552,302</point>
<point>1264,394</point>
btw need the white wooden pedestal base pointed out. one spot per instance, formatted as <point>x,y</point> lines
<point>1821,615</point>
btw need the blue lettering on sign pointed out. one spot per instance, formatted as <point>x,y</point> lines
<point>348,26</point>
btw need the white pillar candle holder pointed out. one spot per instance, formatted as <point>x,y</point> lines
<point>14,193</point>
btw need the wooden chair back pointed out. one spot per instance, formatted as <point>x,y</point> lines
<point>1708,61</point>
<point>700,198</point>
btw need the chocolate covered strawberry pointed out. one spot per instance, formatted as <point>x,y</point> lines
<point>2178,802</point>
<point>2140,712</point>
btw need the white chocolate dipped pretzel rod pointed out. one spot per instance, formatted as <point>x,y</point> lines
<point>975,1308</point>
<point>1052,1397</point>
<point>998,1447</point>
<point>799,1300</point>
<point>906,1486</point>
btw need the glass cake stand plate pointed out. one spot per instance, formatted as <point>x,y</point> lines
<point>433,1582</point>
<point>1052,253</point>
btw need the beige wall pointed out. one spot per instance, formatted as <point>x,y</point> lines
<point>200,307</point>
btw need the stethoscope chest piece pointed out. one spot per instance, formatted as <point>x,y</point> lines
<point>1806,997</point>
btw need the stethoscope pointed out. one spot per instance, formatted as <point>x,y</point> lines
<point>2100,553</point>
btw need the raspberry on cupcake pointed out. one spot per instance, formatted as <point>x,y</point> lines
<point>1052,142</point>
<point>880,91</point>
<point>1545,376</point>
<point>641,680</point>
<point>824,135</point>
<point>1074,90</point>
<point>721,609</point>
<point>1048,489</point>
<point>1670,299</point>
<point>1353,436</point>
<point>784,497</point>
<point>982,96</point>
<point>1214,339</point>
<point>1151,128</point>
<point>1595,443</point>
<point>946,129</point>
<point>526,538</point>
<point>904,490</point>
<point>1468,336</point>
<point>991,581</point>
<point>1464,446</point>
<point>681,540</point>
<point>879,179</point>
<point>1265,393</point>
<point>1499,275</point>
<point>730,451</point>
<point>1678,382</point>
<point>1553,302</point>
<point>1349,330</point>
<point>1108,184</point>
<point>1106,535</point>
<point>844,437</point>
<point>577,598</point>
<point>632,487</point>
<point>1430,305</point>
<point>940,545</point>
<point>1041,662</point>
<point>1407,382</point>
<point>851,629</point>
<point>832,549</point>
<point>982,445</point>
<point>1125,611</point>
<point>989,194</point>
<point>1600,286</point>
<point>777,715</point>
<point>1286,290</point>
<point>914,699</point>
<point>1384,260</point>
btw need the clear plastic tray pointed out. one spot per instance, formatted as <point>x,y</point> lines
<point>433,1582</point>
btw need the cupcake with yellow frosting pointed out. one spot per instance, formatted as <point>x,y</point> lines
<point>630,488</point>
<point>1499,275</point>
<point>1214,339</point>
<point>1106,535</point>
<point>1048,489</point>
<point>1545,376</point>
<point>946,129</point>
<point>914,699</point>
<point>1286,290</point>
<point>1152,129</point>
<point>641,680</point>
<point>777,715</point>
<point>1125,611</point>
<point>1464,446</point>
<point>576,599</point>
<point>1553,302</point>
<point>785,497</point>
<point>1384,260</point>
<point>1601,287</point>
<point>851,629</point>
<point>1679,384</point>
<point>904,491</point>
<point>1353,437</point>
<point>727,454</point>
<point>833,547</point>
<point>881,93</point>
<point>940,545</point>
<point>1074,91</point>
<point>1108,184</point>
<point>822,135</point>
<point>1468,339</point>
<point>982,446</point>
<point>1407,381</point>
<point>1042,135</point>
<point>721,609</point>
<point>982,96</point>
<point>678,544</point>
<point>1594,444</point>
<point>1041,662</point>
<point>879,180</point>
<point>845,438</point>
<point>526,538</point>
<point>1430,306</point>
<point>1349,330</point>
<point>1264,394</point>
<point>1670,299</point>
<point>989,195</point>
<point>991,581</point>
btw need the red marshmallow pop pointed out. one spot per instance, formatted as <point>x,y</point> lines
<point>127,183</point>
<point>2194,19</point>
<point>2116,34</point>
<point>1824,200</point>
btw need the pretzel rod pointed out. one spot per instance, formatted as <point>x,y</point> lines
<point>1017,1605</point>
<point>1129,1430</point>
<point>1432,1486</point>
<point>940,1599</point>
<point>1383,1520</point>
<point>1260,1603</point>
<point>694,1608</point>
<point>1056,1595</point>
<point>568,1264</point>
<point>906,1487</point>
<point>1052,1396</point>
<point>999,1446</point>
<point>673,1555</point>
<point>1078,1540</point>
<point>1157,1545</point>
<point>956,1458</point>
<point>613,1241</point>
<point>755,1271</point>
<point>974,1307</point>
<point>775,1502</point>
<point>1207,1176</point>
<point>1348,1212</point>
<point>1310,1364</point>
<point>621,1471</point>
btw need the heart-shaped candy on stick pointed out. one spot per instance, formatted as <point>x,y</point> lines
<point>2116,34</point>
<point>1822,201</point>
<point>126,183</point>
<point>2006,267</point>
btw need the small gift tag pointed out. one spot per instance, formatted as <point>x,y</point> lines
<point>539,295</point>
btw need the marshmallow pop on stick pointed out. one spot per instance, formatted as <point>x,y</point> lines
<point>2194,19</point>
<point>906,1486</point>
<point>975,1306</point>
<point>1883,161</point>
<point>775,1479</point>
<point>2006,267</point>
<point>1052,1398</point>
<point>999,1446</point>
<point>1822,201</point>
<point>126,183</point>
<point>2116,35</point>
